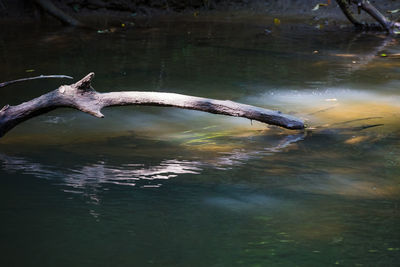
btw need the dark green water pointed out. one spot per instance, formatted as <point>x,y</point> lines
<point>166,187</point>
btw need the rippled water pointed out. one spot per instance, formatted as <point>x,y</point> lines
<point>168,187</point>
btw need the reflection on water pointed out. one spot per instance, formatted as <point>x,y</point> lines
<point>323,162</point>
<point>98,174</point>
<point>129,174</point>
<point>167,187</point>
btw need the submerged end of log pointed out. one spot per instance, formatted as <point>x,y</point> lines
<point>82,96</point>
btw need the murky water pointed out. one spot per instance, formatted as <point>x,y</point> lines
<point>167,187</point>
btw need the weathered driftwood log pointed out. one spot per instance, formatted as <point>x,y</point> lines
<point>83,97</point>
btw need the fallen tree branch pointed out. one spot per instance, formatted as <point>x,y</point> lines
<point>386,23</point>
<point>34,78</point>
<point>83,97</point>
<point>390,26</point>
<point>345,7</point>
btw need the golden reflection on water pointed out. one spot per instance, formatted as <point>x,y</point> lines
<point>356,139</point>
<point>351,186</point>
<point>372,111</point>
<point>338,108</point>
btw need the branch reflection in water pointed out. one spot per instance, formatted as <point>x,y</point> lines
<point>94,175</point>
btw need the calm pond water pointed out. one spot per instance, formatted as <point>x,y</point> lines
<point>150,186</point>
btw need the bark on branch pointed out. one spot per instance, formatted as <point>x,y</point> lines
<point>83,97</point>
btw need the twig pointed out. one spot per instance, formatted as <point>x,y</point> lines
<point>34,78</point>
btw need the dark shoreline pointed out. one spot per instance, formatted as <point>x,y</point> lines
<point>23,10</point>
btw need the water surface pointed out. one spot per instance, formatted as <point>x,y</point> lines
<point>153,186</point>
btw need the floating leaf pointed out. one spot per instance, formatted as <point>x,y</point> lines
<point>356,140</point>
<point>337,239</point>
<point>107,30</point>
<point>30,70</point>
<point>286,241</point>
<point>393,11</point>
<point>277,21</point>
<point>318,6</point>
<point>383,55</point>
<point>344,55</point>
<point>76,7</point>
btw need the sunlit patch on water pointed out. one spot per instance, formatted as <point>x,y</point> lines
<point>338,108</point>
